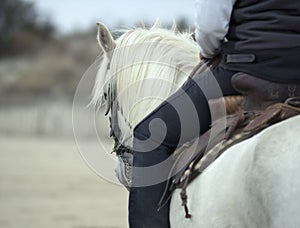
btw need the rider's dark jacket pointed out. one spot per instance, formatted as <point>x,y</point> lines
<point>264,33</point>
<point>268,30</point>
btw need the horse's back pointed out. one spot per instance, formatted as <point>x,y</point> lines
<point>275,174</point>
<point>253,184</point>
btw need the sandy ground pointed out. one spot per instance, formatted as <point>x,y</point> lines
<point>45,183</point>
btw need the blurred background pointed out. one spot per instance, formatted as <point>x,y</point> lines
<point>45,48</point>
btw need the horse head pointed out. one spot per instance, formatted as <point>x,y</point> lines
<point>139,70</point>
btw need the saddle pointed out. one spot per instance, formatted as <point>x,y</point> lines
<point>261,105</point>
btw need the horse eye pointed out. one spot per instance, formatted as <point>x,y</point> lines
<point>105,96</point>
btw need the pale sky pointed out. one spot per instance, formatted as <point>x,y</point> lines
<point>70,15</point>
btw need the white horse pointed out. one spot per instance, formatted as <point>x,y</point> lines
<point>255,183</point>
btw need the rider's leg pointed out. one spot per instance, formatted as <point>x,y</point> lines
<point>152,147</point>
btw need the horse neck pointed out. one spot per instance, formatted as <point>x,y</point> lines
<point>145,75</point>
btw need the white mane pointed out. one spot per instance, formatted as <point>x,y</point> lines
<point>142,55</point>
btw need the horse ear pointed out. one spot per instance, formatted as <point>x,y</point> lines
<point>156,24</point>
<point>105,39</point>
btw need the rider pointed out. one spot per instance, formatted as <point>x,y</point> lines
<point>260,39</point>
